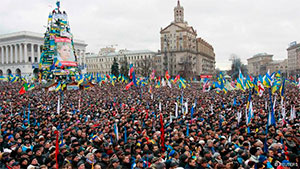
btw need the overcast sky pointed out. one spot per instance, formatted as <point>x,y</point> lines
<point>242,27</point>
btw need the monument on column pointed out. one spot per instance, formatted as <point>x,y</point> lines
<point>58,59</point>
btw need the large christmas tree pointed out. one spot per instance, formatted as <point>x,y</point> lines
<point>58,58</point>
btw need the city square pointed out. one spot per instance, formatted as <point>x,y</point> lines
<point>171,100</point>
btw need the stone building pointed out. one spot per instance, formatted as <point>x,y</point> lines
<point>20,52</point>
<point>294,59</point>
<point>257,65</point>
<point>102,62</point>
<point>278,65</point>
<point>181,51</point>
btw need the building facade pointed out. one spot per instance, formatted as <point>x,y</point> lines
<point>258,64</point>
<point>102,62</point>
<point>278,65</point>
<point>20,52</point>
<point>181,51</point>
<point>294,59</point>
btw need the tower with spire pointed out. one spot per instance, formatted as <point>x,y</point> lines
<point>178,13</point>
<point>182,52</point>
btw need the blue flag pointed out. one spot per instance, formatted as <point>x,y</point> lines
<point>125,135</point>
<point>28,114</point>
<point>187,130</point>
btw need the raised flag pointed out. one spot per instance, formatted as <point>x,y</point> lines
<point>58,86</point>
<point>129,85</point>
<point>261,88</point>
<point>176,78</point>
<point>58,106</point>
<point>282,88</point>
<point>176,110</point>
<point>271,117</point>
<point>131,70</point>
<point>167,75</point>
<point>116,131</point>
<point>24,88</point>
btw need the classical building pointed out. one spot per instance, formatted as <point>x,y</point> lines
<point>278,65</point>
<point>294,59</point>
<point>102,62</point>
<point>257,65</point>
<point>20,52</point>
<point>181,51</point>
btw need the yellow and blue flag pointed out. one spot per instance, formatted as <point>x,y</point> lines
<point>58,86</point>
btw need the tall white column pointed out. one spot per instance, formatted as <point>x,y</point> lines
<point>11,54</point>
<point>39,52</point>
<point>16,53</point>
<point>20,53</point>
<point>78,56</point>
<point>83,58</point>
<point>25,53</point>
<point>32,53</point>
<point>6,54</point>
<point>2,54</point>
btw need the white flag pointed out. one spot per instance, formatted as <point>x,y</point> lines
<point>79,105</point>
<point>293,113</point>
<point>266,105</point>
<point>186,107</point>
<point>176,110</point>
<point>163,83</point>
<point>58,106</point>
<point>169,84</point>
<point>239,114</point>
<point>160,106</point>
<point>211,109</point>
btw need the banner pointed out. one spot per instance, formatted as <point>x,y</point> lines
<point>64,52</point>
<point>72,87</point>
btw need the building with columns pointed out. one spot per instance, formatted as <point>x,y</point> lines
<point>20,52</point>
<point>182,52</point>
<point>102,62</point>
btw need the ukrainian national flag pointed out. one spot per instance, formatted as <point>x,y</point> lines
<point>275,86</point>
<point>267,80</point>
<point>278,74</point>
<point>241,77</point>
<point>282,89</point>
<point>182,82</point>
<point>80,79</point>
<point>2,78</point>
<point>240,85</point>
<point>14,79</point>
<point>58,86</point>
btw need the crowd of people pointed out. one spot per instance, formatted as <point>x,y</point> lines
<point>108,127</point>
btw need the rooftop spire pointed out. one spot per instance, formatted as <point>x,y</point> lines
<point>179,13</point>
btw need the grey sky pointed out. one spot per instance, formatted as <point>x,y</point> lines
<point>243,27</point>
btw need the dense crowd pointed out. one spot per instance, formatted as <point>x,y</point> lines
<point>110,127</point>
